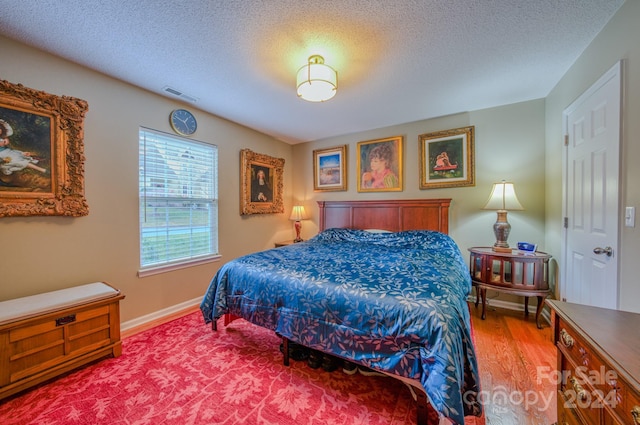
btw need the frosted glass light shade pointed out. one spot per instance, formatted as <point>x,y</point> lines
<point>316,82</point>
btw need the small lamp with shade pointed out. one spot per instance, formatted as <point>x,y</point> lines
<point>503,198</point>
<point>297,215</point>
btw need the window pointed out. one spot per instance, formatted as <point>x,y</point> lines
<point>178,202</point>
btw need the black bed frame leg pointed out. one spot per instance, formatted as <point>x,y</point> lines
<point>214,325</point>
<point>285,348</point>
<point>423,409</point>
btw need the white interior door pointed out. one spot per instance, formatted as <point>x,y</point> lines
<point>592,169</point>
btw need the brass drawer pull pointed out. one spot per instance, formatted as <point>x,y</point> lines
<point>635,412</point>
<point>580,392</point>
<point>566,339</point>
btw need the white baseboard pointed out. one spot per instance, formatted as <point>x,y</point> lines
<point>156,315</point>
<point>510,305</point>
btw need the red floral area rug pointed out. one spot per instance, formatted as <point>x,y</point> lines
<point>183,373</point>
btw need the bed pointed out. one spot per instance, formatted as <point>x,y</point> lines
<point>381,285</point>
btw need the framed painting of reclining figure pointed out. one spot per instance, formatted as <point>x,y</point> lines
<point>41,153</point>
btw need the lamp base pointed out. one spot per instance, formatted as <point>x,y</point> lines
<point>502,249</point>
<point>501,229</point>
<point>298,226</point>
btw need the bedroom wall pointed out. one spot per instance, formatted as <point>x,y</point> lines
<point>41,254</point>
<point>618,40</point>
<point>517,142</point>
<point>509,144</point>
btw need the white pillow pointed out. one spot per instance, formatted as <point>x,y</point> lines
<point>377,231</point>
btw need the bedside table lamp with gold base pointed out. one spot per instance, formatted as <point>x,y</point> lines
<point>298,214</point>
<point>503,198</point>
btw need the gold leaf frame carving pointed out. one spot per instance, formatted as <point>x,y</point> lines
<point>48,178</point>
<point>254,197</point>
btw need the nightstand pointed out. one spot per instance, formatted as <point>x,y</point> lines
<point>284,243</point>
<point>515,272</point>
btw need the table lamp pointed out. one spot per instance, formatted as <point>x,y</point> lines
<point>298,214</point>
<point>503,198</point>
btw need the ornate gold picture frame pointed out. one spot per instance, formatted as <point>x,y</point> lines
<point>379,165</point>
<point>41,153</point>
<point>329,169</point>
<point>447,158</point>
<point>260,183</point>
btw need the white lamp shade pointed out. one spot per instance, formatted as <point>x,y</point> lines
<point>298,213</point>
<point>503,197</point>
<point>316,82</point>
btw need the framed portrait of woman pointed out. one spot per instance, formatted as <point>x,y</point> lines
<point>260,183</point>
<point>379,165</point>
<point>41,153</point>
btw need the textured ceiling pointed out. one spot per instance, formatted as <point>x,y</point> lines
<point>398,60</point>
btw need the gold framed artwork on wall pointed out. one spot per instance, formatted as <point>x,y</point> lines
<point>379,165</point>
<point>447,158</point>
<point>41,153</point>
<point>260,183</point>
<point>329,169</point>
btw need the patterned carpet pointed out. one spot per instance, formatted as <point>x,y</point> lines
<point>183,373</point>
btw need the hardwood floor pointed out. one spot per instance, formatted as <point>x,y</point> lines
<point>516,362</point>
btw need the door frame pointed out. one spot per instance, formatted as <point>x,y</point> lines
<point>616,71</point>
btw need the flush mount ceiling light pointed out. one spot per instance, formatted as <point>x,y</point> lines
<point>316,82</point>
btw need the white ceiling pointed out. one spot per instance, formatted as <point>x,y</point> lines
<point>397,60</point>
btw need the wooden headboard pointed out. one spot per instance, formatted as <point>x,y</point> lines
<point>394,215</point>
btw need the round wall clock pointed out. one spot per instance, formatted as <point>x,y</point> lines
<point>183,122</point>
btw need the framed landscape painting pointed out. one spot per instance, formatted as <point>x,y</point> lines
<point>447,158</point>
<point>329,169</point>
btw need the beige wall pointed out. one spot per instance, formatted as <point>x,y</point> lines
<point>509,144</point>
<point>618,40</point>
<point>48,253</point>
<point>520,142</point>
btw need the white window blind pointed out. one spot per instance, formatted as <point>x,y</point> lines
<point>178,199</point>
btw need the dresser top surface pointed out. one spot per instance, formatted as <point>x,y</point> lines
<point>485,250</point>
<point>615,333</point>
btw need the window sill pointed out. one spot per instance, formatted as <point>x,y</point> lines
<point>150,271</point>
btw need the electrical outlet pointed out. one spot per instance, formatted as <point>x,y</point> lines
<point>630,216</point>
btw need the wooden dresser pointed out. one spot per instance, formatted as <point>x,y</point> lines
<point>598,370</point>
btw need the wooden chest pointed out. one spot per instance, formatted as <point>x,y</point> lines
<point>598,372</point>
<point>45,335</point>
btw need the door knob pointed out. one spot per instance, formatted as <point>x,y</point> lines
<point>607,250</point>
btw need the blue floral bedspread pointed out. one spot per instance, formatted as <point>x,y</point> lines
<point>391,301</point>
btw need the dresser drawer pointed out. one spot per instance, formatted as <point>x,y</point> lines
<point>566,415</point>
<point>573,346</point>
<point>578,395</point>
<point>627,406</point>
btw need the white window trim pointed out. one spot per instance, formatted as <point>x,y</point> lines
<point>183,264</point>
